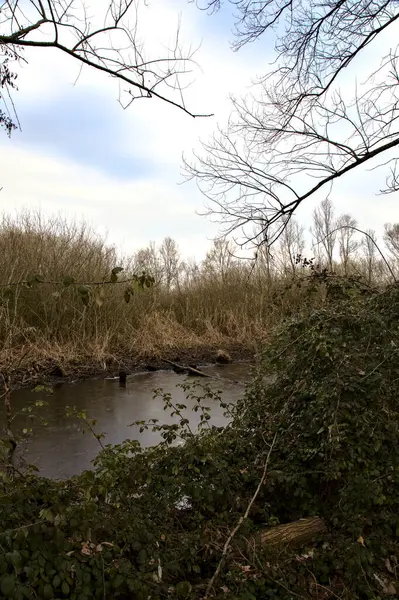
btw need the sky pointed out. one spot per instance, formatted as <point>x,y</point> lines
<point>80,154</point>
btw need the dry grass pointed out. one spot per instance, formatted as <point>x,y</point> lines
<point>51,322</point>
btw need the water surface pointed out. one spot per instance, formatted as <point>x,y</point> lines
<point>60,450</point>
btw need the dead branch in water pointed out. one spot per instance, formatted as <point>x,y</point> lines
<point>198,373</point>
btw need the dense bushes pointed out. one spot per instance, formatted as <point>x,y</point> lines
<point>153,523</point>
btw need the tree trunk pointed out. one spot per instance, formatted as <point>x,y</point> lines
<point>292,535</point>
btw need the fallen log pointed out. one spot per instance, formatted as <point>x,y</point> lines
<point>183,369</point>
<point>193,371</point>
<point>293,535</point>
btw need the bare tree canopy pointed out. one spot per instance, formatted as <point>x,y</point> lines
<point>107,38</point>
<point>309,121</point>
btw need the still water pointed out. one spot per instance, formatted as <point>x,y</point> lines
<point>58,447</point>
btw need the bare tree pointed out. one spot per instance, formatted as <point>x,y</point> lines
<point>300,132</point>
<point>347,242</point>
<point>148,260</point>
<point>391,239</point>
<point>170,262</point>
<point>219,259</point>
<point>324,231</point>
<point>265,264</point>
<point>369,257</point>
<point>190,272</point>
<point>109,41</point>
<point>291,244</point>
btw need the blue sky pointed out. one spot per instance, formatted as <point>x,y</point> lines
<point>84,126</point>
<point>81,154</point>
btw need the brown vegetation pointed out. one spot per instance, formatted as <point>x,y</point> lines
<point>223,302</point>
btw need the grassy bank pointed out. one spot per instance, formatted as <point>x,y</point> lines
<point>46,323</point>
<point>59,307</point>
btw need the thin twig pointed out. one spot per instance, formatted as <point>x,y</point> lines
<point>8,531</point>
<point>68,284</point>
<point>240,522</point>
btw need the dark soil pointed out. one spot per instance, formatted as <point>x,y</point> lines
<point>51,372</point>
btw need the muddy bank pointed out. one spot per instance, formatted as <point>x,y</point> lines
<point>52,372</point>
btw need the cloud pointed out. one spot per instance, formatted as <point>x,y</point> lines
<point>82,125</point>
<point>132,212</point>
<point>86,124</point>
<point>81,154</point>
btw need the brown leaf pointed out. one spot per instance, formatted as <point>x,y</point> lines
<point>85,549</point>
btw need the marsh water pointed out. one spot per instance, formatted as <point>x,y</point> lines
<point>57,445</point>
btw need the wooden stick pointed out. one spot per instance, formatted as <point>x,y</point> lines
<point>199,373</point>
<point>188,369</point>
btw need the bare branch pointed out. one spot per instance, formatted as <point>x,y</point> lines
<point>274,155</point>
<point>75,33</point>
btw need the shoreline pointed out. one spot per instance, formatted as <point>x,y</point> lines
<point>51,371</point>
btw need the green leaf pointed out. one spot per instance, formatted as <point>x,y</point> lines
<point>68,280</point>
<point>7,586</point>
<point>14,558</point>
<point>83,290</point>
<point>114,274</point>
<point>48,592</point>
<point>127,295</point>
<point>118,581</point>
<point>183,589</point>
<point>65,588</point>
<point>196,569</point>
<point>33,280</point>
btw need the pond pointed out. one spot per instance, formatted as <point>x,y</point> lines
<point>57,445</point>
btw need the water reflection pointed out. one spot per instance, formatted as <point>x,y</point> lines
<point>60,450</point>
